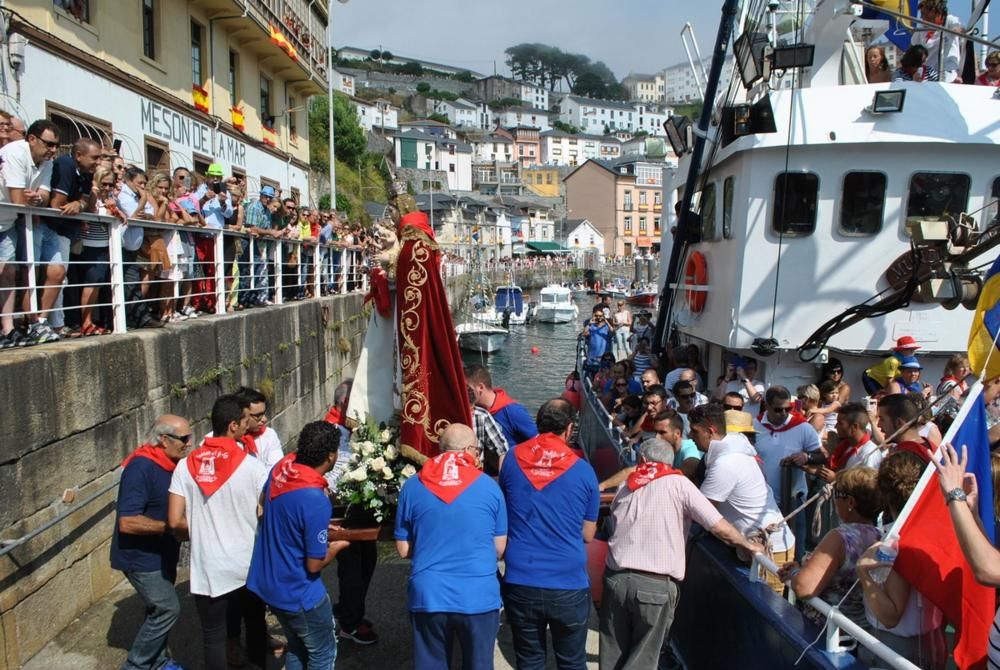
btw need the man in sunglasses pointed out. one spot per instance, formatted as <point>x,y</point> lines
<point>141,545</point>
<point>784,437</point>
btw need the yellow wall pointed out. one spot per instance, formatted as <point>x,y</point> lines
<point>546,189</point>
<point>114,36</point>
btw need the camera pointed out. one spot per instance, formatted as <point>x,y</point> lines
<point>217,187</point>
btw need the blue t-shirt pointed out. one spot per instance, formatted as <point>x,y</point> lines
<point>545,547</point>
<point>143,491</point>
<point>688,450</point>
<point>516,424</point>
<point>454,567</point>
<point>598,341</point>
<point>293,528</point>
<point>68,180</point>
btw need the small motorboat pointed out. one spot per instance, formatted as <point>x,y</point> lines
<point>556,305</point>
<point>480,337</point>
<point>645,298</point>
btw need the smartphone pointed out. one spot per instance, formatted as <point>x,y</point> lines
<point>872,403</point>
<point>217,187</point>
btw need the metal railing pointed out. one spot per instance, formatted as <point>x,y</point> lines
<point>207,269</point>
<point>836,621</point>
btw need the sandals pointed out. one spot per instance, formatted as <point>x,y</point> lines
<point>90,330</point>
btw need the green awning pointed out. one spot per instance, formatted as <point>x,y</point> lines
<point>545,247</point>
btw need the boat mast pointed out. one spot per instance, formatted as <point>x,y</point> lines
<point>686,226</point>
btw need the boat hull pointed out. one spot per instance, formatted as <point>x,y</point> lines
<point>546,314</point>
<point>481,339</point>
<point>642,299</point>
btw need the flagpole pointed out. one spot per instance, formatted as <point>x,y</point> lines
<point>930,470</point>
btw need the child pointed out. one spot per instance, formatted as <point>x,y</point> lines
<point>877,377</point>
<point>829,397</point>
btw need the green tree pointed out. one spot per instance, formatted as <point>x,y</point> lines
<point>423,87</point>
<point>387,56</point>
<point>375,55</point>
<point>411,68</point>
<point>590,84</point>
<point>465,76</point>
<point>350,141</point>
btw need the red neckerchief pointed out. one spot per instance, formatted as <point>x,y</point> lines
<point>334,416</point>
<point>156,454</point>
<point>447,475</point>
<point>287,476</point>
<point>647,472</point>
<point>249,442</point>
<point>419,221</point>
<point>794,419</point>
<point>214,462</point>
<point>917,448</point>
<point>647,424</point>
<point>544,459</point>
<point>844,451</point>
<point>501,401</point>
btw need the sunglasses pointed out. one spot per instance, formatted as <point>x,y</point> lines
<point>258,415</point>
<point>685,396</point>
<point>836,372</point>
<point>180,438</point>
<point>780,410</point>
<point>735,408</point>
<point>51,145</point>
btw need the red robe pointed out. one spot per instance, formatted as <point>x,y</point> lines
<point>434,392</point>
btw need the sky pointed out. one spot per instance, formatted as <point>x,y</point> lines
<point>628,35</point>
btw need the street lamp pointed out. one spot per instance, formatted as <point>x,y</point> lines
<point>329,103</point>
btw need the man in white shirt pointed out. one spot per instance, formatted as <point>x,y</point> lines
<point>740,378</point>
<point>734,481</point>
<point>26,180</point>
<point>944,50</point>
<point>784,438</point>
<point>214,497</point>
<point>267,444</point>
<point>855,446</point>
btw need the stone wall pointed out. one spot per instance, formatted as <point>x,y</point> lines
<point>71,411</point>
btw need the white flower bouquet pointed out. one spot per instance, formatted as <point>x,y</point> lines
<point>375,473</point>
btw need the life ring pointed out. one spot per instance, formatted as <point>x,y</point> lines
<point>597,286</point>
<point>696,277</point>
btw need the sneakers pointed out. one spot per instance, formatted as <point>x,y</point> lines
<point>364,634</point>
<point>190,312</point>
<point>17,338</point>
<point>41,333</point>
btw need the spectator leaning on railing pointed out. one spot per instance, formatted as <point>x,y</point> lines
<point>216,206</point>
<point>259,225</point>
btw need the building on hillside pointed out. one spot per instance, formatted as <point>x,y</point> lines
<point>490,146</point>
<point>562,148</point>
<point>610,116</point>
<point>582,237</point>
<point>543,180</point>
<point>343,82</point>
<point>461,113</point>
<point>498,88</point>
<point>357,53</point>
<point>380,114</point>
<point>484,115</point>
<point>651,119</point>
<point>468,227</point>
<point>527,146</point>
<point>647,88</point>
<point>590,195</point>
<point>171,105</point>
<point>429,127</point>
<point>522,116</point>
<point>681,86</point>
<point>654,149</point>
<point>532,223</point>
<point>415,149</point>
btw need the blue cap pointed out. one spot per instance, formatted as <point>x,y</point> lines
<point>267,192</point>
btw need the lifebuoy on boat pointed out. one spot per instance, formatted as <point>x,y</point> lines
<point>597,286</point>
<point>696,279</point>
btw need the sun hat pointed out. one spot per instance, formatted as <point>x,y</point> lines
<point>739,422</point>
<point>267,191</point>
<point>906,342</point>
<point>911,363</point>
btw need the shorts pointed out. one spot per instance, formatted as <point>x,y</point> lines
<point>8,245</point>
<point>50,246</point>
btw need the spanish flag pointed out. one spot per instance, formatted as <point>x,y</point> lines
<point>239,122</point>
<point>199,97</point>
<point>900,31</point>
<point>986,325</point>
<point>269,136</point>
<point>279,39</point>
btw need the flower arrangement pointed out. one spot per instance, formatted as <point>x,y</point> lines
<point>376,471</point>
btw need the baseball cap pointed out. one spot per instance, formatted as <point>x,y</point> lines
<point>267,192</point>
<point>215,170</point>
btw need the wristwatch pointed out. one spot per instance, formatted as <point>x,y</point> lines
<point>955,494</point>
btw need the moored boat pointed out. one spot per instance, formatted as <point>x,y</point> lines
<point>481,337</point>
<point>556,305</point>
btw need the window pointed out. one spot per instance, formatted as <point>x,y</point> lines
<point>727,208</point>
<point>795,197</point>
<point>157,156</point>
<point>656,225</point>
<point>265,101</point>
<point>708,227</point>
<point>642,197</point>
<point>201,163</point>
<point>78,9</point>
<point>197,55</point>
<point>642,225</point>
<point>628,225</point>
<point>234,78</point>
<point>74,125</point>
<point>937,194</point>
<point>628,249</point>
<point>451,167</point>
<point>264,181</point>
<point>548,179</point>
<point>149,29</point>
<point>992,217</point>
<point>628,200</point>
<point>862,203</point>
<point>657,198</point>
<point>293,117</point>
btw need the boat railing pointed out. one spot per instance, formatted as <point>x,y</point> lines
<point>595,421</point>
<point>836,623</point>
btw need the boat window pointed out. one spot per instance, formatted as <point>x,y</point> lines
<point>708,227</point>
<point>992,217</point>
<point>795,197</point>
<point>937,194</point>
<point>862,203</point>
<point>727,208</point>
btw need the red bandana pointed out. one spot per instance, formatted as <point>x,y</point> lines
<point>544,459</point>
<point>501,401</point>
<point>156,454</point>
<point>447,475</point>
<point>647,424</point>
<point>249,443</point>
<point>287,476</point>
<point>794,419</point>
<point>214,462</point>
<point>334,416</point>
<point>844,451</point>
<point>917,448</point>
<point>645,473</point>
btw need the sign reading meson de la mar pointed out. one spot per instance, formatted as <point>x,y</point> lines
<point>169,125</point>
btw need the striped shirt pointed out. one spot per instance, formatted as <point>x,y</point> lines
<point>993,653</point>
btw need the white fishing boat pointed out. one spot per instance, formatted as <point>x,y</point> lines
<point>508,308</point>
<point>480,337</point>
<point>556,305</point>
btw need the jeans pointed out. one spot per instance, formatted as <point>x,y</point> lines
<point>434,636</point>
<point>149,648</point>
<point>256,266</point>
<point>530,611</point>
<point>621,346</point>
<point>636,613</point>
<point>355,567</point>
<point>212,613</point>
<point>312,643</point>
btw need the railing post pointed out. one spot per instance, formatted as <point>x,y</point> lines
<point>364,275</point>
<point>317,269</point>
<point>832,631</point>
<point>29,245</point>
<point>279,272</point>
<point>252,255</point>
<point>345,268</point>
<point>116,259</point>
<point>220,275</point>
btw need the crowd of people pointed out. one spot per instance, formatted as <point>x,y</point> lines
<point>169,272</point>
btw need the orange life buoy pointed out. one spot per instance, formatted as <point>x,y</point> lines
<point>597,286</point>
<point>696,275</point>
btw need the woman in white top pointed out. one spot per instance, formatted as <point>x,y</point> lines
<point>623,326</point>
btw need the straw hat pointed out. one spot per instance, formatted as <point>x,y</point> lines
<point>739,422</point>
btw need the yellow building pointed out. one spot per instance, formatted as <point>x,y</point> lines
<point>542,180</point>
<point>175,83</point>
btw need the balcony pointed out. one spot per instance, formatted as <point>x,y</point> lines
<point>627,207</point>
<point>657,207</point>
<point>302,24</point>
<point>643,207</point>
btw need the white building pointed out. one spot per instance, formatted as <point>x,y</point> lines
<point>645,87</point>
<point>682,87</point>
<point>609,116</point>
<point>378,114</point>
<point>522,116</point>
<point>651,119</point>
<point>343,82</point>
<point>490,147</point>
<point>582,236</point>
<point>461,113</point>
<point>415,149</point>
<point>561,148</point>
<point>497,88</point>
<point>534,96</point>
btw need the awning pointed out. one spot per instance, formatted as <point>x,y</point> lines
<point>545,247</point>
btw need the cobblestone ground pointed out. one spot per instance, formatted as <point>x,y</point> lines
<point>99,639</point>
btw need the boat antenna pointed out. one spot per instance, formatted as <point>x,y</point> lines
<point>687,224</point>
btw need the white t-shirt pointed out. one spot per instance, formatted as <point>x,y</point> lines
<point>735,481</point>
<point>736,386</point>
<point>868,455</point>
<point>269,450</point>
<point>19,171</point>
<point>773,446</point>
<point>222,526</point>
